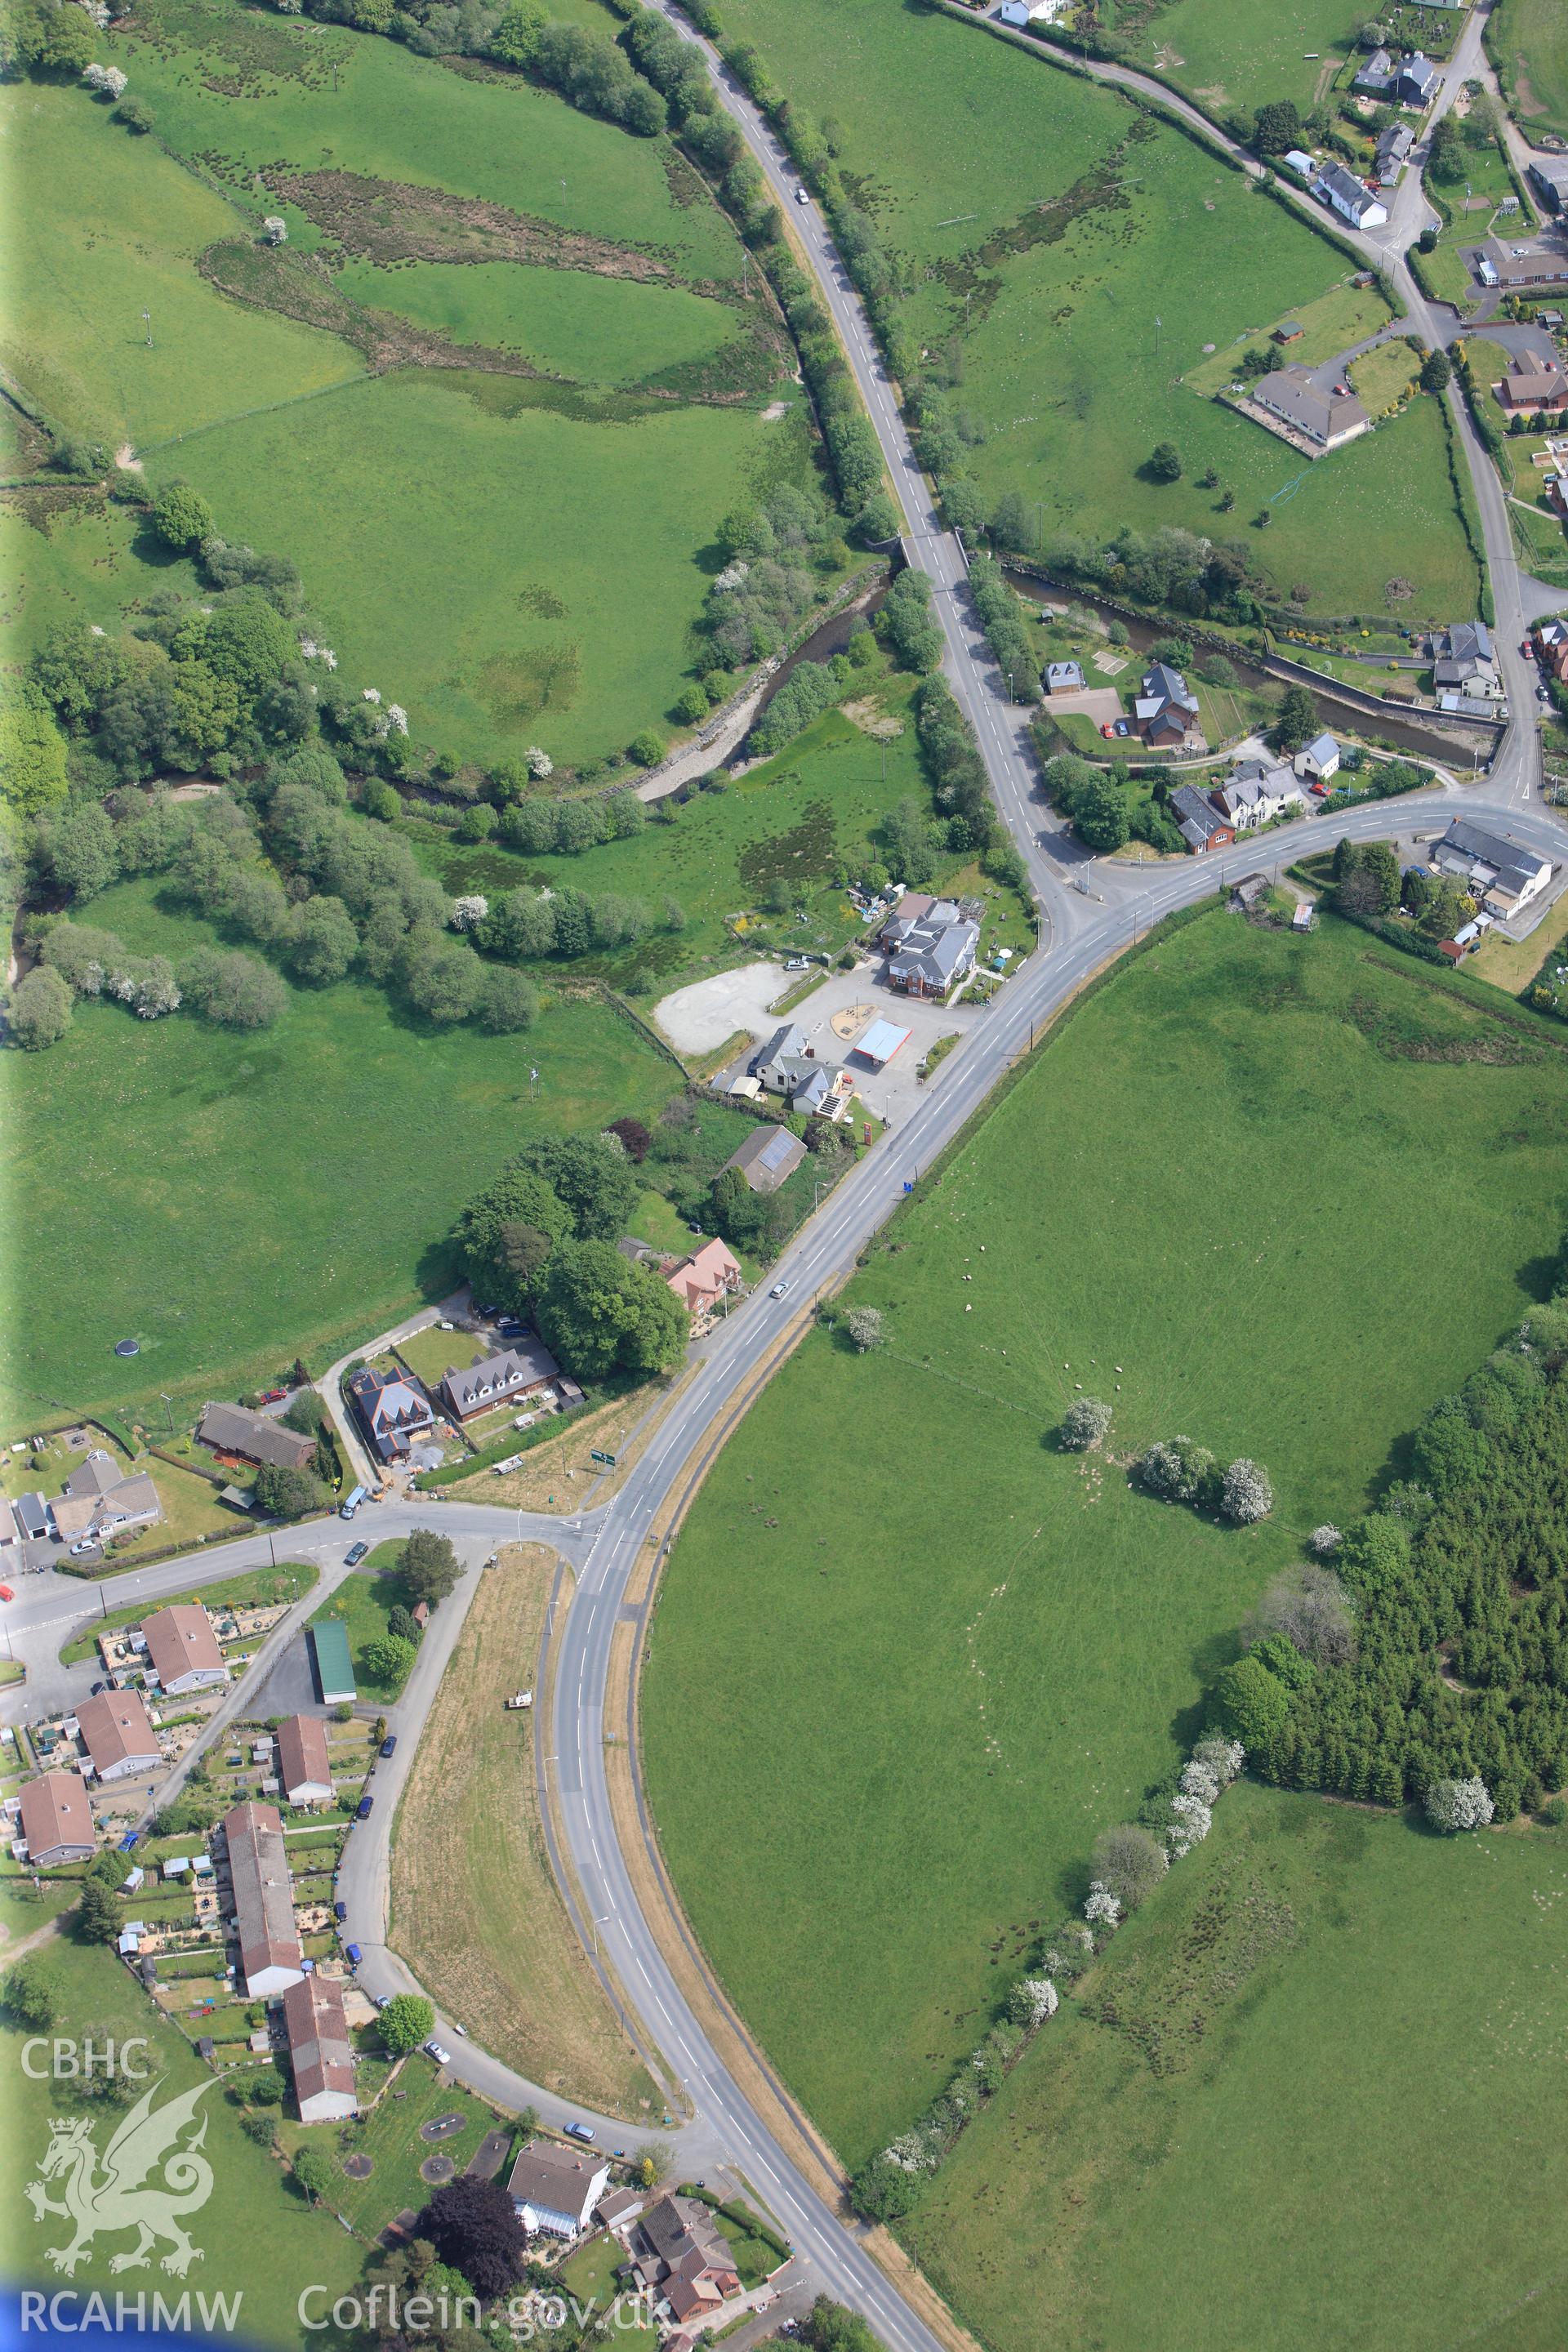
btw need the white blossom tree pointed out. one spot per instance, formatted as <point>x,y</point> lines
<point>1032,2000</point>
<point>1246,1494</point>
<point>274,229</point>
<point>731,577</point>
<point>1224,1758</point>
<point>397,718</point>
<point>1200,1780</point>
<point>1191,1825</point>
<point>1326,1540</point>
<point>1085,1425</point>
<point>106,80</point>
<point>469,912</point>
<point>864,1324</point>
<point>372,694</point>
<point>1103,1909</point>
<point>538,764</point>
<point>1458,1805</point>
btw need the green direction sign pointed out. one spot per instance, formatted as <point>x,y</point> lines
<point>608,1460</point>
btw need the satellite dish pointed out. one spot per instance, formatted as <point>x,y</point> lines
<point>128,1346</point>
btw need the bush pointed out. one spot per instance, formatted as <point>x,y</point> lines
<point>1086,1424</point>
<point>1453,1805</point>
<point>1254,1704</point>
<point>1246,1494</point>
<point>40,1009</point>
<point>136,115</point>
<point>647,750</point>
<point>1129,1862</point>
<point>182,517</point>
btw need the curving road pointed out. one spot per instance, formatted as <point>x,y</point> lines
<point>1082,929</point>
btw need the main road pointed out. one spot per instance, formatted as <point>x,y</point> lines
<point>1081,931</point>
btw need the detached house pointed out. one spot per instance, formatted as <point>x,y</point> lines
<point>1325,419</point>
<point>1256,794</point>
<point>1463,661</point>
<point>390,1410</point>
<point>554,2189</point>
<point>681,2256</point>
<point>787,1066</point>
<point>182,1649</point>
<point>118,1734</point>
<point>1350,198</point>
<point>99,1500</point>
<point>931,945</point>
<point>1167,711</point>
<point>56,1821</point>
<point>1532,385</point>
<point>1501,874</point>
<point>1201,825</point>
<point>254,1436</point>
<point>701,1281</point>
<point>304,1767</point>
<point>1320,761</point>
<point>523,1370</point>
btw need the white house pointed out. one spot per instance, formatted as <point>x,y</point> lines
<point>1350,198</point>
<point>554,2189</point>
<point>1320,761</point>
<point>1254,793</point>
<point>1501,874</point>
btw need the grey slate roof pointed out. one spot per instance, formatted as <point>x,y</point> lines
<point>498,1377</point>
<point>235,1429</point>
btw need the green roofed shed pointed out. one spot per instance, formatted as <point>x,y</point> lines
<point>334,1668</point>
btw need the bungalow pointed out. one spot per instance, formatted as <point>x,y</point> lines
<point>390,1408</point>
<point>1512,266</point>
<point>1323,417</point>
<point>182,1649</point>
<point>1166,710</point>
<point>254,1436</point>
<point>1320,761</point>
<point>118,1735</point>
<point>1201,826</point>
<point>1350,198</point>
<point>1548,175</point>
<point>304,1767</point>
<point>56,1821</point>
<point>554,2189</point>
<point>768,1157</point>
<point>681,2256</point>
<point>1064,678</point>
<point>1501,874</point>
<point>320,2051</point>
<point>270,1957</point>
<point>1463,661</point>
<point>99,1500</point>
<point>523,1371</point>
<point>702,1280</point>
<point>1529,386</point>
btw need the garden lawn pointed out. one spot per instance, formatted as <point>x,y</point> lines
<point>797,820</point>
<point>389,2135</point>
<point>924,1704</point>
<point>205,1191</point>
<point>590,2275</point>
<point>256,2236</point>
<point>568,323</point>
<point>362,1605</point>
<point>430,1353</point>
<point>104,227</point>
<point>1050,276</point>
<point>512,563</point>
<point>1326,2053</point>
<point>1528,42</point>
<point>288,1582</point>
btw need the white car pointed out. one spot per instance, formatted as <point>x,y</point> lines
<point>798,964</point>
<point>433,2049</point>
<point>778,1290</point>
<point>802,196</point>
<point>88,1543</point>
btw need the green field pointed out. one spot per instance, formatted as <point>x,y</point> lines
<point>1333,2059</point>
<point>511,560</point>
<point>1239,53</point>
<point>255,2233</point>
<point>546,543</point>
<point>568,323</point>
<point>1226,1197</point>
<point>1527,41</point>
<point>1048,279</point>
<point>103,227</point>
<point>803,818</point>
<point>256,1197</point>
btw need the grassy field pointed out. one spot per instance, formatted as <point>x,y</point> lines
<point>925,1708</point>
<point>1526,40</point>
<point>475,1909</point>
<point>220,1167</point>
<point>362,1605</point>
<point>1324,2055</point>
<point>1239,53</point>
<point>1049,281</point>
<point>102,228</point>
<point>800,819</point>
<point>255,2233</point>
<point>568,323</point>
<point>547,543</point>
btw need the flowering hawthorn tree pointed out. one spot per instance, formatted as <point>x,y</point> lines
<point>1085,1425</point>
<point>1457,1804</point>
<point>469,912</point>
<point>1103,1909</point>
<point>1246,1494</point>
<point>538,764</point>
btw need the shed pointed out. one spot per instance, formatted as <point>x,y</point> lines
<point>1301,920</point>
<point>334,1668</point>
<point>881,1042</point>
<point>1289,330</point>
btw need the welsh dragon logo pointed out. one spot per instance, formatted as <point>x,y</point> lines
<point>120,2196</point>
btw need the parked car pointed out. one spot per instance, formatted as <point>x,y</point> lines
<point>274,1396</point>
<point>353,1954</point>
<point>460,2029</point>
<point>579,2131</point>
<point>778,1290</point>
<point>97,1687</point>
<point>88,1543</point>
<point>340,1911</point>
<point>389,1743</point>
<point>354,1554</point>
<point>1107,730</point>
<point>6,1593</point>
<point>361,1811</point>
<point>351,1502</point>
<point>433,2050</point>
<point>798,964</point>
<point>1122,728</point>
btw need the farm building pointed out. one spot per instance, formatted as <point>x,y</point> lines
<point>334,1667</point>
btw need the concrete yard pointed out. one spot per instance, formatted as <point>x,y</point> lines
<point>891,1092</point>
<point>698,1018</point>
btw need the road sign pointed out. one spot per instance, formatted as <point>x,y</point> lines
<point>606,1460</point>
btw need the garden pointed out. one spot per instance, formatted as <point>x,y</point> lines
<point>984,1664</point>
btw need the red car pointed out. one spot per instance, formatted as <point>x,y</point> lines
<point>6,1593</point>
<point>274,1396</point>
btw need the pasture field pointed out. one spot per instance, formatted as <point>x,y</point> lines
<point>1049,282</point>
<point>475,1909</point>
<point>923,1708</point>
<point>1328,2050</point>
<point>1527,41</point>
<point>551,548</point>
<point>257,2235</point>
<point>103,227</point>
<point>567,322</point>
<point>220,1178</point>
<point>800,819</point>
<point>66,557</point>
<point>1242,53</point>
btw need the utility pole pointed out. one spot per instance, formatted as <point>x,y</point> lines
<point>147,322</point>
